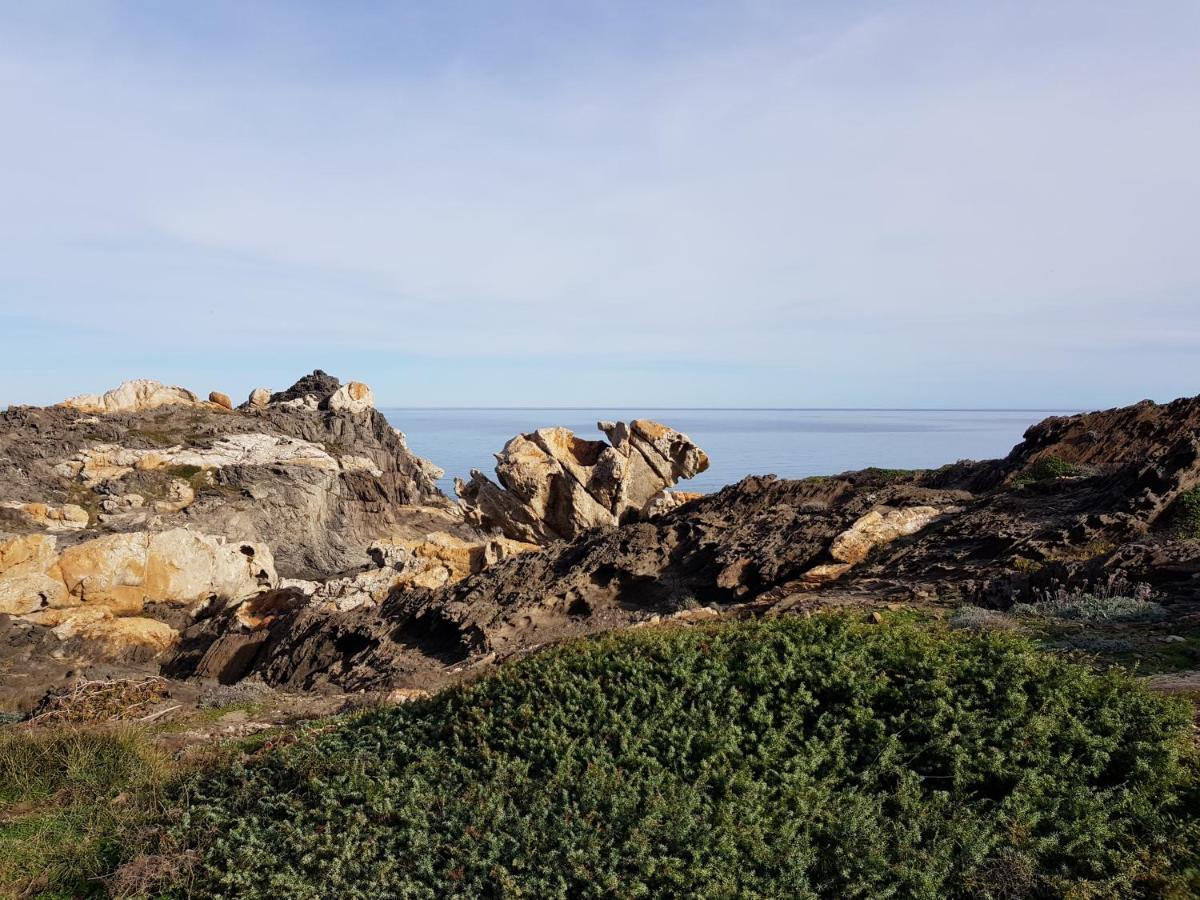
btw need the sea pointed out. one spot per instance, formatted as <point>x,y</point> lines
<point>789,443</point>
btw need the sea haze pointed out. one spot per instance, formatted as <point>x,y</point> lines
<point>790,443</point>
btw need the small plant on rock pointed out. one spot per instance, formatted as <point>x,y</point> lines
<point>1186,515</point>
<point>1117,601</point>
<point>1048,468</point>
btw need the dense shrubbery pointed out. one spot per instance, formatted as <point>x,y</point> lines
<point>785,759</point>
<point>1186,514</point>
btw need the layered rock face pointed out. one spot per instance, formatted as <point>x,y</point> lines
<point>985,533</point>
<point>555,485</point>
<point>123,515</point>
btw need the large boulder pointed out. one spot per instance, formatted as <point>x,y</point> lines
<point>221,400</point>
<point>133,396</point>
<point>178,567</point>
<point>555,485</point>
<point>354,397</point>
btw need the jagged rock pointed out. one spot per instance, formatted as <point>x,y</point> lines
<point>67,517</point>
<point>354,397</point>
<point>110,462</point>
<point>115,637</point>
<point>319,386</point>
<point>122,503</point>
<point>122,571</point>
<point>665,501</point>
<point>220,399</point>
<point>320,484</point>
<point>432,561</point>
<point>132,396</point>
<point>555,485</point>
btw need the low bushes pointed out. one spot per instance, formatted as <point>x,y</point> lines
<point>1093,608</point>
<point>1048,468</point>
<point>791,758</point>
<point>1186,514</point>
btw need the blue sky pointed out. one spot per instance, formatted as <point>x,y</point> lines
<point>491,203</point>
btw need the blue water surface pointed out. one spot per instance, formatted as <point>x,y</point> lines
<point>790,443</point>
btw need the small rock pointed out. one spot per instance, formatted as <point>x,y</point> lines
<point>259,397</point>
<point>220,399</point>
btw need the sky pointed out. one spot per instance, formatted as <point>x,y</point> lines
<point>819,204</point>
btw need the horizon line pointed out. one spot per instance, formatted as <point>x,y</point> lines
<point>747,408</point>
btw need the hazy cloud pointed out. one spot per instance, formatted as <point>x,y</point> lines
<point>736,204</point>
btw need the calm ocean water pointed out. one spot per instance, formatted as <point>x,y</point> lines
<point>790,443</point>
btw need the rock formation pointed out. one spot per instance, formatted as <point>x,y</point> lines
<point>297,539</point>
<point>125,515</point>
<point>92,590</point>
<point>221,400</point>
<point>981,533</point>
<point>132,396</point>
<point>554,485</point>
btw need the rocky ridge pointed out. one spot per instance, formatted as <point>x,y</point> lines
<point>126,516</point>
<point>1059,510</point>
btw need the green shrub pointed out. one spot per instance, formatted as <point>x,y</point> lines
<point>1048,468</point>
<point>1186,514</point>
<point>789,758</point>
<point>887,476</point>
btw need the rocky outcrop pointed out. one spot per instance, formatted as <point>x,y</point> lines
<point>317,484</point>
<point>124,516</point>
<point>555,485</point>
<point>97,592</point>
<point>111,462</point>
<point>432,561</point>
<point>967,533</point>
<point>132,396</point>
<point>354,397</point>
<point>879,528</point>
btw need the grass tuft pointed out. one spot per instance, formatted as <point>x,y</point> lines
<point>72,802</point>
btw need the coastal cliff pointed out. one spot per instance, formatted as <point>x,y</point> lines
<point>128,516</point>
<point>296,541</point>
